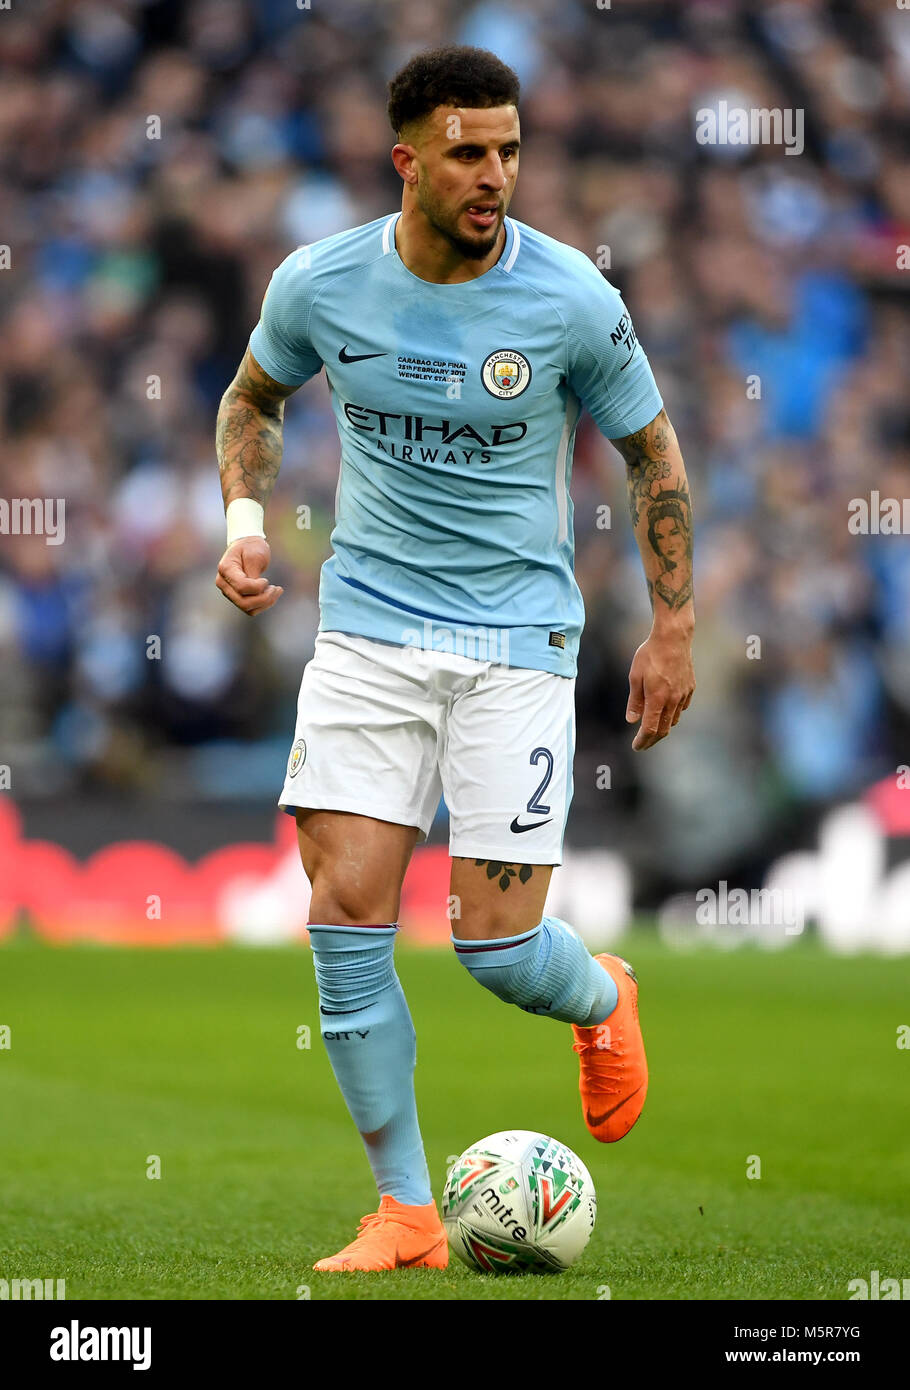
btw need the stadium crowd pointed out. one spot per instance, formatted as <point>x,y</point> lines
<point>158,159</point>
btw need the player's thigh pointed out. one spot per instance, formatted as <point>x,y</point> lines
<point>356,865</point>
<point>507,775</point>
<point>362,778</point>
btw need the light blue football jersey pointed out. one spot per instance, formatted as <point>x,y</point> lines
<point>457,407</point>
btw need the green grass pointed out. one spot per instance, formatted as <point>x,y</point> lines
<point>191,1055</point>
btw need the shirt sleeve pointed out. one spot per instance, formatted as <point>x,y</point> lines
<point>280,341</point>
<point>608,369</point>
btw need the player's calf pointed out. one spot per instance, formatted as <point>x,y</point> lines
<point>547,970</point>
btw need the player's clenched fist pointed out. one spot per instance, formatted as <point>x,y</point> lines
<point>241,576</point>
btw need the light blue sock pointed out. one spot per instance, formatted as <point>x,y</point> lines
<point>547,970</point>
<point>370,1039</point>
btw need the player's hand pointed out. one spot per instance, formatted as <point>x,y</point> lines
<point>661,684</point>
<point>241,576</point>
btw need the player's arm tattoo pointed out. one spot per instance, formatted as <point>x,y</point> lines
<point>248,434</point>
<point>661,510</point>
<point>506,872</point>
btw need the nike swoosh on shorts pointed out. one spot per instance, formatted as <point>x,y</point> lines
<point>517,829</point>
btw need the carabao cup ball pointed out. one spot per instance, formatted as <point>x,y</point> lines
<point>518,1202</point>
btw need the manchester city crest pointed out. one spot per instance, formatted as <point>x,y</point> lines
<point>506,373</point>
<point>297,758</point>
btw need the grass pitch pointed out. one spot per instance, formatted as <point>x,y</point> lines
<point>119,1056</point>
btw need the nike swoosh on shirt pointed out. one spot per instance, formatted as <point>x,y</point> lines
<point>596,1120</point>
<point>345,356</point>
<point>517,829</point>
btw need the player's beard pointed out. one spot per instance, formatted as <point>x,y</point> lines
<point>446,223</point>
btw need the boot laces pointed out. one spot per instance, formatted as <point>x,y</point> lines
<point>375,1219</point>
<point>602,1068</point>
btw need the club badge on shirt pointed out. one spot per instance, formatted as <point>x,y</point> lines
<point>506,373</point>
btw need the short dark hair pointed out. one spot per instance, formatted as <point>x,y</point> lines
<point>456,75</point>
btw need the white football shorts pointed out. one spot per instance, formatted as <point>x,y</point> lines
<point>383,730</point>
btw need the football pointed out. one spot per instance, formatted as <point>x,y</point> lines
<point>518,1202</point>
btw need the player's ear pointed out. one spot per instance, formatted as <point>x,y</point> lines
<point>404,157</point>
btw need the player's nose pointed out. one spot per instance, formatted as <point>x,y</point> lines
<point>492,176</point>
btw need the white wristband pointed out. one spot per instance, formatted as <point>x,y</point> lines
<point>244,517</point>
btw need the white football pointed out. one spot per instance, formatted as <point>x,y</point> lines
<point>518,1202</point>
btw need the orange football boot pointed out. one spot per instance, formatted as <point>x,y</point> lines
<point>394,1237</point>
<point>614,1070</point>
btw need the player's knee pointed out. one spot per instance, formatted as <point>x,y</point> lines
<point>350,904</point>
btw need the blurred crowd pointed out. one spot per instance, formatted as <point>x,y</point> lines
<point>158,159</point>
